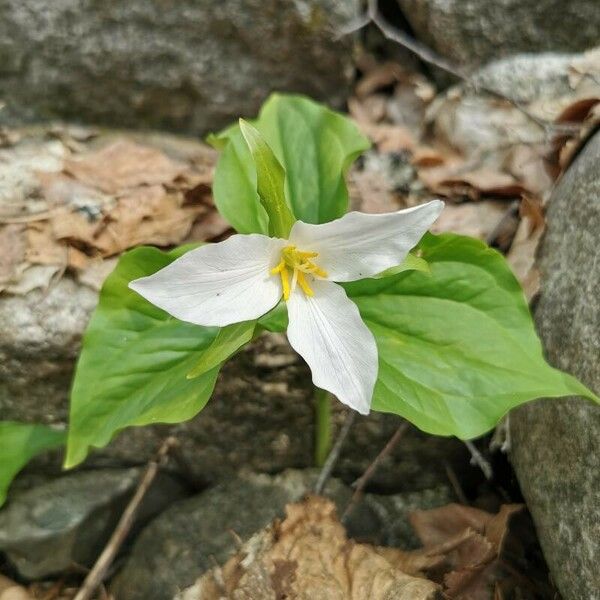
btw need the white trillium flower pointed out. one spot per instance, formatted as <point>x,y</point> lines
<point>245,276</point>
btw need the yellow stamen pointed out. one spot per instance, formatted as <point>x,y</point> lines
<point>304,284</point>
<point>301,265</point>
<point>285,282</point>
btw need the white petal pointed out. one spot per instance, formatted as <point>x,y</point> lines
<point>360,245</point>
<point>327,331</point>
<point>218,284</point>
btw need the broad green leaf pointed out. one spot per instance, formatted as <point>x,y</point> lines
<point>228,341</point>
<point>234,186</point>
<point>19,443</point>
<point>134,361</point>
<point>315,147</point>
<point>457,347</point>
<point>411,263</point>
<point>270,182</point>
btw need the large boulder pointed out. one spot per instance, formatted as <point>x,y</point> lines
<point>556,444</point>
<point>181,65</point>
<point>472,32</point>
<point>51,526</point>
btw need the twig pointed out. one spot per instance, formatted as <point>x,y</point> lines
<point>360,484</point>
<point>453,479</point>
<point>478,459</point>
<point>98,572</point>
<point>334,455</point>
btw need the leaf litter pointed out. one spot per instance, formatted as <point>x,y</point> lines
<point>480,153</point>
<point>72,205</point>
<point>467,554</point>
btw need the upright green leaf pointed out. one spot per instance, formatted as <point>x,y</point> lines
<point>228,341</point>
<point>270,183</point>
<point>314,145</point>
<point>19,443</point>
<point>134,361</point>
<point>457,347</point>
<point>234,185</point>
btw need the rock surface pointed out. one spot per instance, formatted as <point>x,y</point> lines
<point>188,66</point>
<point>472,32</point>
<point>46,529</point>
<point>556,444</point>
<point>195,534</point>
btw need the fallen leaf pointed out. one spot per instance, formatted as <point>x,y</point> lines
<point>438,525</point>
<point>12,252</point>
<point>473,546</point>
<point>123,165</point>
<point>521,256</point>
<point>476,219</point>
<point>9,590</point>
<point>307,556</point>
<point>382,75</point>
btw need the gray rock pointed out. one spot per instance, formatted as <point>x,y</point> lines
<point>49,527</point>
<point>472,32</point>
<point>556,444</point>
<point>475,122</point>
<point>195,534</point>
<point>189,66</point>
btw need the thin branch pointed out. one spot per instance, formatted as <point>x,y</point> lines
<point>334,455</point>
<point>453,479</point>
<point>360,484</point>
<point>478,459</point>
<point>96,575</point>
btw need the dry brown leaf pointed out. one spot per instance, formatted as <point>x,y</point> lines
<point>385,136</point>
<point>12,252</point>
<point>471,545</point>
<point>9,590</point>
<point>521,256</point>
<point>450,181</point>
<point>476,219</point>
<point>308,557</point>
<point>146,215</point>
<point>382,75</point>
<point>438,525</point>
<point>373,192</point>
<point>123,165</point>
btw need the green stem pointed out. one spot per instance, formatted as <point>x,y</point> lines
<point>322,426</point>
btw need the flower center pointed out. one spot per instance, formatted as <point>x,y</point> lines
<point>300,264</point>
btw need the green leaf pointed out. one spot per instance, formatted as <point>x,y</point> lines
<point>270,182</point>
<point>457,348</point>
<point>19,443</point>
<point>134,361</point>
<point>411,263</point>
<point>234,186</point>
<point>315,147</point>
<point>228,341</point>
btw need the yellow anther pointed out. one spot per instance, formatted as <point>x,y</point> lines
<point>301,265</point>
<point>285,282</point>
<point>280,267</point>
<point>304,284</point>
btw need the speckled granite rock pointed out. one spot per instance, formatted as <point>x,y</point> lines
<point>51,526</point>
<point>181,65</point>
<point>472,32</point>
<point>556,444</point>
<point>195,534</point>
